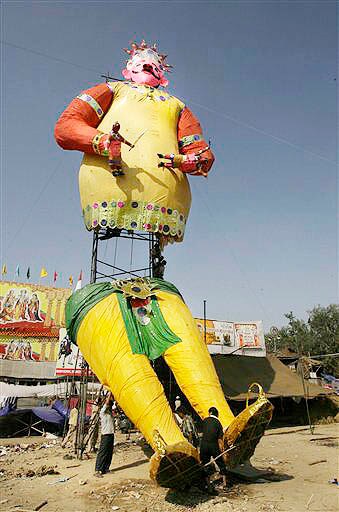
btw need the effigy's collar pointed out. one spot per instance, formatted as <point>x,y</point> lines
<point>140,288</point>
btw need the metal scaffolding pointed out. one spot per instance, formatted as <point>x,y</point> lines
<point>101,269</point>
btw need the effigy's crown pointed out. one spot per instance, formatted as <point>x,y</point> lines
<point>144,48</point>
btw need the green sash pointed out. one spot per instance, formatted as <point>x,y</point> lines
<point>152,339</point>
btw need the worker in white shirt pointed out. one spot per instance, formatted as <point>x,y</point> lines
<point>105,452</point>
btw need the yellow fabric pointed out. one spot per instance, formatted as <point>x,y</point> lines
<point>103,341</point>
<point>261,406</point>
<point>191,362</point>
<point>139,110</point>
<point>176,466</point>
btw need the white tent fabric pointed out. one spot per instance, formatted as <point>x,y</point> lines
<point>58,389</point>
<point>19,391</point>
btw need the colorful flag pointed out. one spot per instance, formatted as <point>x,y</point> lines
<point>17,271</point>
<point>70,280</point>
<point>28,273</point>
<point>79,283</point>
<point>43,272</point>
<point>4,269</point>
<point>55,276</point>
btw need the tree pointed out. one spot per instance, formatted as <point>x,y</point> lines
<point>319,335</point>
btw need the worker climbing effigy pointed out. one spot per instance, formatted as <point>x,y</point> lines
<point>139,144</point>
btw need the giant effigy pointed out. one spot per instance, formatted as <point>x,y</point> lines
<point>140,143</point>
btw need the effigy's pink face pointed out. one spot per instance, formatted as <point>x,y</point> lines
<point>145,68</point>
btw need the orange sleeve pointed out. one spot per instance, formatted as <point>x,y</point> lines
<point>190,137</point>
<point>76,127</point>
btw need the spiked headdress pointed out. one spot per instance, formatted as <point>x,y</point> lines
<point>143,46</point>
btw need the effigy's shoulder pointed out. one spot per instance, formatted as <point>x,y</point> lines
<point>180,103</point>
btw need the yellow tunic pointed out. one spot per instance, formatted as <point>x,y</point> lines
<point>146,198</point>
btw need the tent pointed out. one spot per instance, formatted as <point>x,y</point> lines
<point>236,373</point>
<point>19,391</point>
<point>35,420</point>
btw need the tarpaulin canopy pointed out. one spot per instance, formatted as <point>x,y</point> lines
<point>48,414</point>
<point>27,422</point>
<point>236,373</point>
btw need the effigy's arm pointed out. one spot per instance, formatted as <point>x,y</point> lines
<point>191,141</point>
<point>76,129</point>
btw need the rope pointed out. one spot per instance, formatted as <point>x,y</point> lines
<point>194,470</point>
<point>115,251</point>
<point>197,468</point>
<point>131,259</point>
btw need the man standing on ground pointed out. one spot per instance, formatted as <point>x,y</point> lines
<point>105,452</point>
<point>212,443</point>
<point>188,427</point>
<point>70,438</point>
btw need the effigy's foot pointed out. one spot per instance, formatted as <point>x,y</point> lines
<point>246,430</point>
<point>176,465</point>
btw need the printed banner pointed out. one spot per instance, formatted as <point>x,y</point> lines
<point>31,310</point>
<point>247,335</point>
<point>28,349</point>
<point>231,336</point>
<point>70,360</point>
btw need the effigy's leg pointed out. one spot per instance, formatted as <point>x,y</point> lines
<point>103,341</point>
<point>194,371</point>
<point>191,362</point>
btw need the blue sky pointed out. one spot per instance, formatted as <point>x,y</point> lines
<point>261,77</point>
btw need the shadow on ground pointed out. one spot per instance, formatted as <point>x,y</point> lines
<point>189,498</point>
<point>131,465</point>
<point>146,448</point>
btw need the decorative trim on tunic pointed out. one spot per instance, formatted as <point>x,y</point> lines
<point>150,92</point>
<point>139,216</point>
<point>96,144</point>
<point>189,139</point>
<point>93,103</point>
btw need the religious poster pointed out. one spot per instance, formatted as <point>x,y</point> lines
<point>28,349</point>
<point>31,309</point>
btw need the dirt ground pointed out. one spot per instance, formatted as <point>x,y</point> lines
<point>300,466</point>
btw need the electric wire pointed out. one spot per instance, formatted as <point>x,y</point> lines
<point>50,57</point>
<point>34,203</point>
<point>229,247</point>
<point>199,105</point>
<point>263,132</point>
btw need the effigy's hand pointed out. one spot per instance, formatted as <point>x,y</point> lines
<point>191,163</point>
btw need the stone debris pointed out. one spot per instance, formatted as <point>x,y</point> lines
<point>41,471</point>
<point>18,448</point>
<point>144,496</point>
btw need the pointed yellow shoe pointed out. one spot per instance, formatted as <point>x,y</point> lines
<point>246,430</point>
<point>174,466</point>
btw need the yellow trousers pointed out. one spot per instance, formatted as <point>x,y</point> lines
<point>103,340</point>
